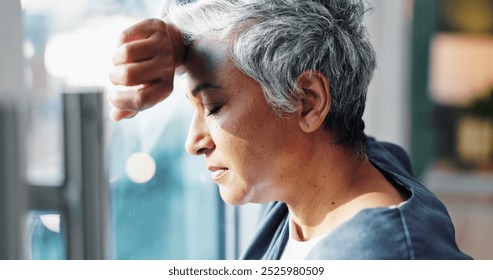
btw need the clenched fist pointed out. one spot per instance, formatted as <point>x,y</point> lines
<point>145,61</point>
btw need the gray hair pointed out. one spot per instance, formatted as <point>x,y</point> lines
<point>274,41</point>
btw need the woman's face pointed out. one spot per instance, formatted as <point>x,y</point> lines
<point>248,148</point>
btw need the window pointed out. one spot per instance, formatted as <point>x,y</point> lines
<point>163,204</point>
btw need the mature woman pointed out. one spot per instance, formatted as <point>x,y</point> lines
<point>279,89</point>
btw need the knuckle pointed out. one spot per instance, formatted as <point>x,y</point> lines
<point>124,35</point>
<point>160,31</point>
<point>158,24</point>
<point>126,53</point>
<point>127,75</point>
<point>143,101</point>
<point>138,100</point>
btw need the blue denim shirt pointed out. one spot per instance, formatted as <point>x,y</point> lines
<point>419,228</point>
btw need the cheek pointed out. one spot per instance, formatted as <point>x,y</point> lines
<point>247,119</point>
<point>251,152</point>
<point>236,146</point>
<point>230,147</point>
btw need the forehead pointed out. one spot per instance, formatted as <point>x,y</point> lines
<point>209,63</point>
<point>206,56</point>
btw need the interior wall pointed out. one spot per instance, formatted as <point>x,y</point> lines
<point>387,114</point>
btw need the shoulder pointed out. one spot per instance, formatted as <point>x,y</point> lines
<point>372,234</point>
<point>419,228</point>
<point>389,234</point>
<point>425,219</point>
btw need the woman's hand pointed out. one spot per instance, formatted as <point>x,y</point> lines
<point>145,61</point>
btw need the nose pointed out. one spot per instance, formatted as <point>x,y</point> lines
<point>199,140</point>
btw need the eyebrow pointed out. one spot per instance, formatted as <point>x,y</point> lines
<point>202,87</point>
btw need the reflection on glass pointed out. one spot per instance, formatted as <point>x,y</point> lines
<point>47,236</point>
<point>140,167</point>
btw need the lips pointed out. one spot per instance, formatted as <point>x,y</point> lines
<point>218,172</point>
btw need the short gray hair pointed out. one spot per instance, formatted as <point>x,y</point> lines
<point>274,41</point>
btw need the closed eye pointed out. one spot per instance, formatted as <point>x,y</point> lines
<point>214,108</point>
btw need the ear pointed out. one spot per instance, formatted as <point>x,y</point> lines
<point>316,101</point>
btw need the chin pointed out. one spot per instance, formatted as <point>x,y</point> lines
<point>237,197</point>
<point>233,200</point>
<point>233,196</point>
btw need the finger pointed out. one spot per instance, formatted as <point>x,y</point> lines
<point>139,50</point>
<point>117,114</point>
<point>140,98</point>
<point>131,74</point>
<point>141,30</point>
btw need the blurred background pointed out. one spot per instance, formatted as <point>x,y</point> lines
<point>432,94</point>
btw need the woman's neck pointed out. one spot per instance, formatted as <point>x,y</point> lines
<point>332,187</point>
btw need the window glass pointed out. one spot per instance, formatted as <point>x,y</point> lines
<point>163,203</point>
<point>46,232</point>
